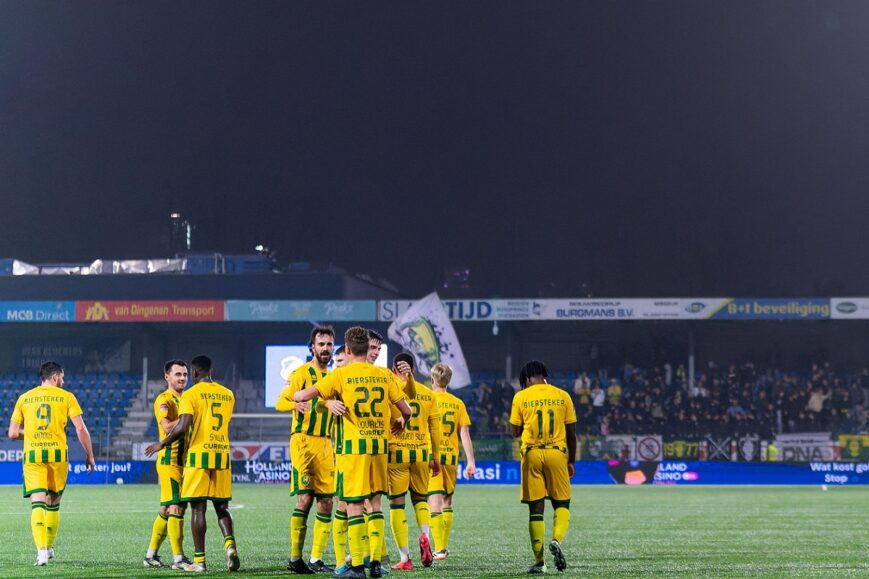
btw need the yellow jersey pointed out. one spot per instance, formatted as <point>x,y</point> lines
<point>415,442</point>
<point>454,416</point>
<point>318,420</point>
<point>43,412</point>
<point>366,391</point>
<point>166,406</point>
<point>542,410</point>
<point>208,440</point>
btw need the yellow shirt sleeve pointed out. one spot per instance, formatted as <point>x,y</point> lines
<point>74,407</point>
<point>464,419</point>
<point>434,427</point>
<point>285,401</point>
<point>396,392</point>
<point>515,415</point>
<point>188,404</point>
<point>17,413</point>
<point>330,384</point>
<point>161,408</point>
<point>570,411</point>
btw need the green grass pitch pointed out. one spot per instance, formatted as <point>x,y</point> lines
<point>615,532</point>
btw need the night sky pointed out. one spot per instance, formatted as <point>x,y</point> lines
<point>633,148</point>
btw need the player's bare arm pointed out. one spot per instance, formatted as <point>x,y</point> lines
<point>465,435</point>
<point>84,437</point>
<point>15,431</point>
<point>336,407</point>
<point>180,429</point>
<point>406,413</point>
<point>570,430</point>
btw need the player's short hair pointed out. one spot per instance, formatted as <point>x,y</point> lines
<point>356,340</point>
<point>48,370</point>
<point>339,351</point>
<point>375,335</point>
<point>532,369</point>
<point>201,364</point>
<point>404,357</point>
<point>321,330</point>
<point>168,366</point>
<point>441,374</point>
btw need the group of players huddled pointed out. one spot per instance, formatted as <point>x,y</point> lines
<point>357,432</point>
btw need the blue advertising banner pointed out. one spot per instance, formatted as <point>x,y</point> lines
<point>112,472</point>
<point>31,312</point>
<point>301,311</point>
<point>771,309</point>
<point>508,472</point>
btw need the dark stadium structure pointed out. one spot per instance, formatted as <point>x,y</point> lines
<point>117,402</point>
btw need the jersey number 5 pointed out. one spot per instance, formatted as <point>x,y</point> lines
<point>215,414</point>
<point>448,419</point>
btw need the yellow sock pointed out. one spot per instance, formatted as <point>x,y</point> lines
<point>448,526</point>
<point>199,556</point>
<point>175,531</point>
<point>437,531</point>
<point>367,541</point>
<point>560,523</point>
<point>52,522</point>
<point>298,530</point>
<point>228,541</point>
<point>158,533</point>
<point>37,524</point>
<point>536,529</point>
<point>398,522</point>
<point>321,535</point>
<point>423,515</point>
<point>339,537</point>
<point>376,527</point>
<point>356,533</point>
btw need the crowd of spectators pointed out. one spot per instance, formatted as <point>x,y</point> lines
<point>723,401</point>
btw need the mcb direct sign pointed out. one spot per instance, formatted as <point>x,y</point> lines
<point>31,312</point>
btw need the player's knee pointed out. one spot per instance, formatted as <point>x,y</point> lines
<point>221,508</point>
<point>397,501</point>
<point>324,504</point>
<point>561,504</point>
<point>166,510</point>
<point>176,510</point>
<point>536,507</point>
<point>303,502</point>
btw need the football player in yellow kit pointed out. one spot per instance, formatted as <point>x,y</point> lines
<point>455,425</point>
<point>40,417</point>
<point>366,393</point>
<point>313,459</point>
<point>544,418</point>
<point>170,468</point>
<point>414,456</point>
<point>204,415</point>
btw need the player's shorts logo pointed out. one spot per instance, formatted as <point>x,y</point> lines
<point>306,478</point>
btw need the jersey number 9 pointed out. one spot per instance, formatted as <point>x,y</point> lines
<point>43,413</point>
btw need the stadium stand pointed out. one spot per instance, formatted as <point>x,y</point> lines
<point>732,400</point>
<point>105,399</point>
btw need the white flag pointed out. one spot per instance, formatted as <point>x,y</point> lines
<point>426,332</point>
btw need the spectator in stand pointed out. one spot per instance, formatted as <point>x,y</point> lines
<point>598,398</point>
<point>614,393</point>
<point>737,400</point>
<point>816,401</point>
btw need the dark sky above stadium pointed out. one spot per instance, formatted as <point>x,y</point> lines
<point>637,148</point>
